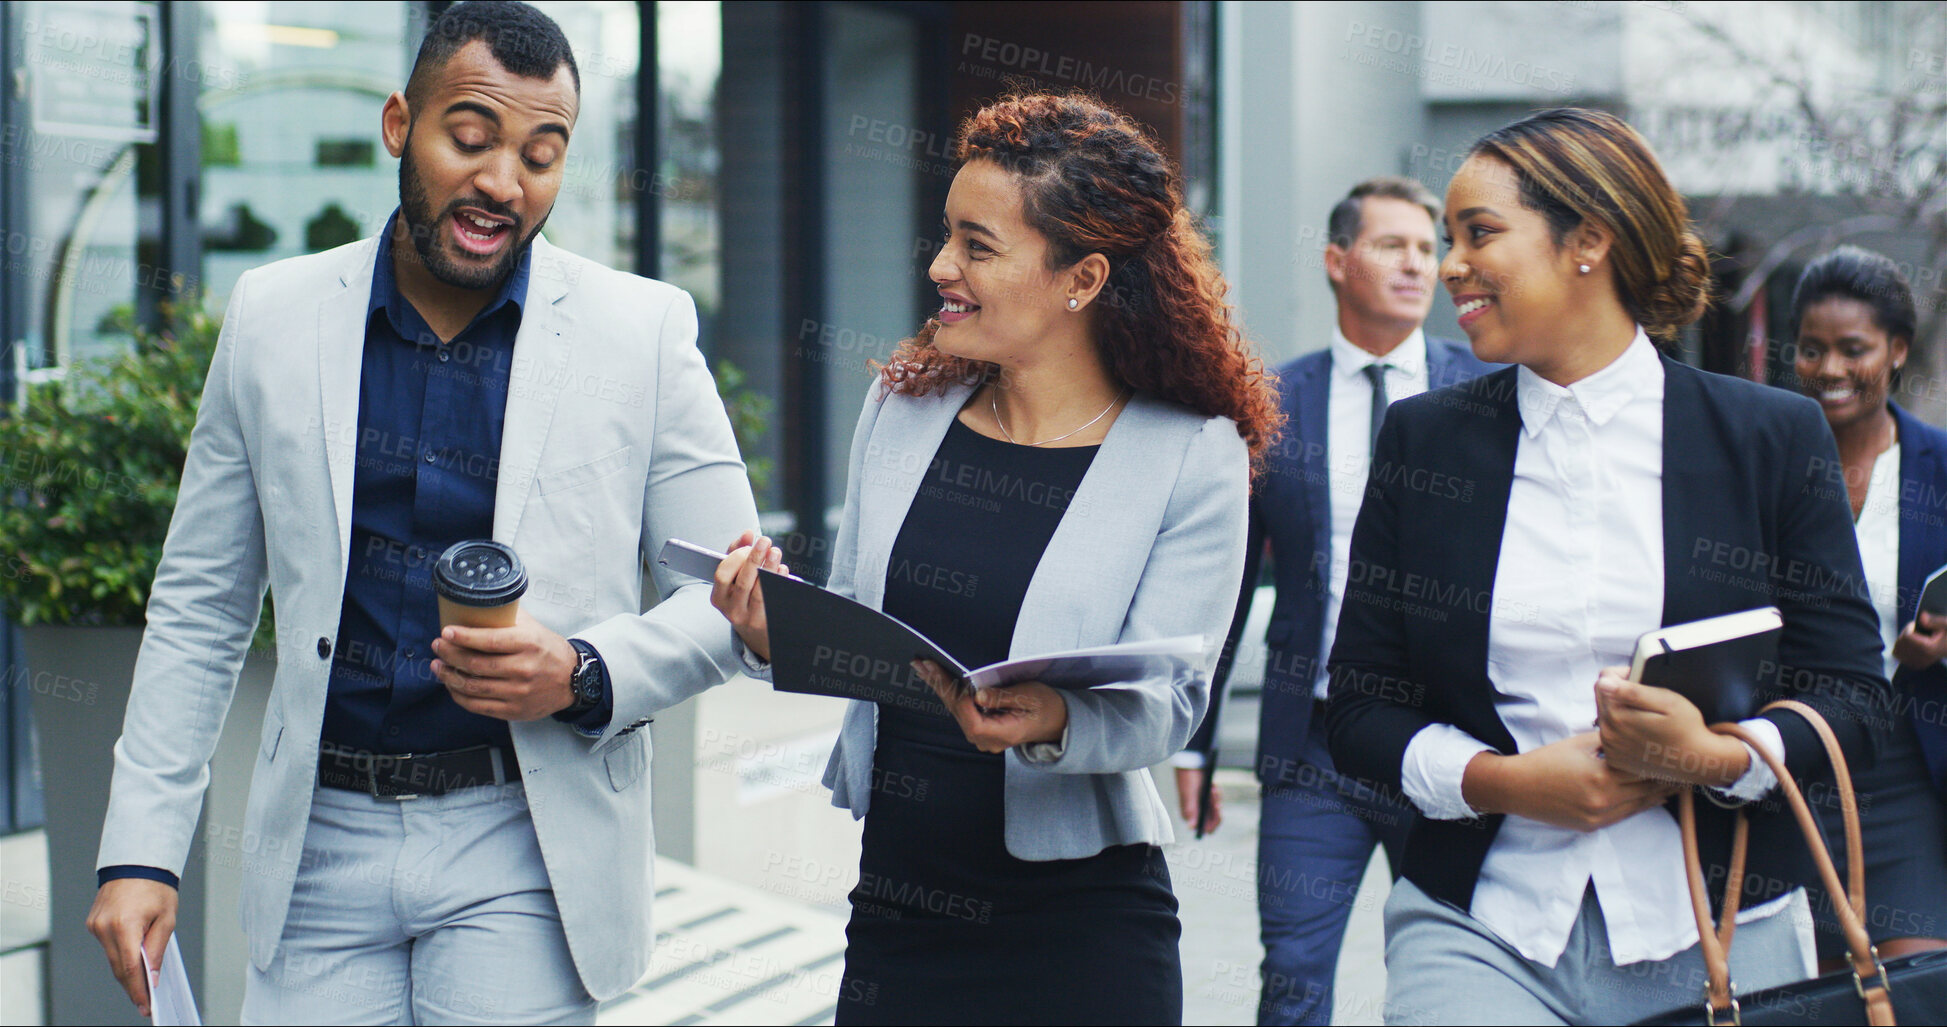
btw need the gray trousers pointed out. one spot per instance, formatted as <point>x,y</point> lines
<point>1444,967</point>
<point>422,911</point>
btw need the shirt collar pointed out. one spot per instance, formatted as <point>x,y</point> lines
<point>1636,374</point>
<point>1350,361</point>
<point>386,296</point>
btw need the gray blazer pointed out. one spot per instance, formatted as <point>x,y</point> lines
<point>1151,546</point>
<point>614,440</point>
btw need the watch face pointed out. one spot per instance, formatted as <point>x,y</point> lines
<point>588,683</point>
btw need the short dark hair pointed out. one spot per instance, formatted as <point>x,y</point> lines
<point>1348,215</point>
<point>1852,273</point>
<point>524,41</point>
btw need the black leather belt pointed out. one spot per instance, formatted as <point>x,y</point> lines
<point>411,775</point>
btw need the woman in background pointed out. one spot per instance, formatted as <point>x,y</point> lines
<point>1607,491</point>
<point>1060,458</point>
<point>1855,318</point>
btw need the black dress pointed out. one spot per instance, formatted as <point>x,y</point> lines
<point>947,926</point>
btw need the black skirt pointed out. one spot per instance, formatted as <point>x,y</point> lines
<point>1903,828</point>
<point>948,928</point>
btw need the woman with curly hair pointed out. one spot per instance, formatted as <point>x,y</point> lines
<point>1060,458</point>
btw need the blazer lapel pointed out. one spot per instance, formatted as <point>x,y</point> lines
<point>1313,396</point>
<point>540,369</point>
<point>1473,538</point>
<point>341,356</point>
<point>1692,491</point>
<point>1923,532</point>
<point>1101,549</point>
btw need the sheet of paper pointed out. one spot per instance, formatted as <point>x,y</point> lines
<point>171,1003</point>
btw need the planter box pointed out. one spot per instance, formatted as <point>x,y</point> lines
<point>79,679</point>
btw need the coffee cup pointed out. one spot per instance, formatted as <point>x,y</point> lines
<point>479,584</point>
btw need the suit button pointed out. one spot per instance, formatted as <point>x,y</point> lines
<point>324,648</point>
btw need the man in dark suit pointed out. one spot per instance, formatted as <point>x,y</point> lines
<point>1318,829</point>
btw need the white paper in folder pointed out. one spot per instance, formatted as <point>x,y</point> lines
<point>170,1002</point>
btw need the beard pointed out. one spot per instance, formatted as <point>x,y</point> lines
<point>435,248</point>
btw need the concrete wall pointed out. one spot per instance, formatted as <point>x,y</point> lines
<point>1313,103</point>
<point>737,792</point>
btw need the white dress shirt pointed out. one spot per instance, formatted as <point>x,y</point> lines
<point>1878,529</point>
<point>1348,453</point>
<point>1580,577</point>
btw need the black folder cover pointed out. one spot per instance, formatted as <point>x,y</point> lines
<point>823,643</point>
<point>1721,675</point>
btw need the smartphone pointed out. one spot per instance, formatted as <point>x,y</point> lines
<point>1933,596</point>
<point>690,558</point>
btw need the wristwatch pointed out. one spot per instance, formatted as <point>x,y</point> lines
<point>588,683</point>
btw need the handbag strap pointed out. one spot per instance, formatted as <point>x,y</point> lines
<point>1714,941</point>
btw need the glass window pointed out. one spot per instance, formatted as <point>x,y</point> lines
<point>90,74</point>
<point>594,214</point>
<point>292,161</point>
<point>878,150</point>
<point>689,59</point>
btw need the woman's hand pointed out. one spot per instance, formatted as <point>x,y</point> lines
<point>1566,783</point>
<point>1924,642</point>
<point>1189,797</point>
<point>998,719</point>
<point>737,595</point>
<point>1655,733</point>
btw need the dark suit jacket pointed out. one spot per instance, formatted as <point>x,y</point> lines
<point>1750,519</point>
<point>1291,508</point>
<point>1923,550</point>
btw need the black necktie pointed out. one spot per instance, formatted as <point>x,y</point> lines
<point>1377,374</point>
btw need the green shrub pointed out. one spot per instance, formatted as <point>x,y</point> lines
<point>90,466</point>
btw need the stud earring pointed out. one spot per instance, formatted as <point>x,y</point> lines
<point>1585,269</point>
<point>1074,303</point>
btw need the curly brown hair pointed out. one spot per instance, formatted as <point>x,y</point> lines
<point>1094,181</point>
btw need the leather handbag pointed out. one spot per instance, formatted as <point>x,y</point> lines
<point>1868,991</point>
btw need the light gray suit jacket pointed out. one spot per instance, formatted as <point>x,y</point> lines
<point>614,440</point>
<point>1152,546</point>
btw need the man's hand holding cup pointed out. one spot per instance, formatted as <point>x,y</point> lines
<point>520,672</point>
<point>493,656</point>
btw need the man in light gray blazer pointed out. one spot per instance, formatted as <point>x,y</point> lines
<point>456,377</point>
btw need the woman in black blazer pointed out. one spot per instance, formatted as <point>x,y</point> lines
<point>1519,533</point>
<point>1855,321</point>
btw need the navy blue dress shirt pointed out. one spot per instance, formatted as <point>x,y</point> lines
<point>425,468</point>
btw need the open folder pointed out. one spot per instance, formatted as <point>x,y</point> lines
<point>825,644</point>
